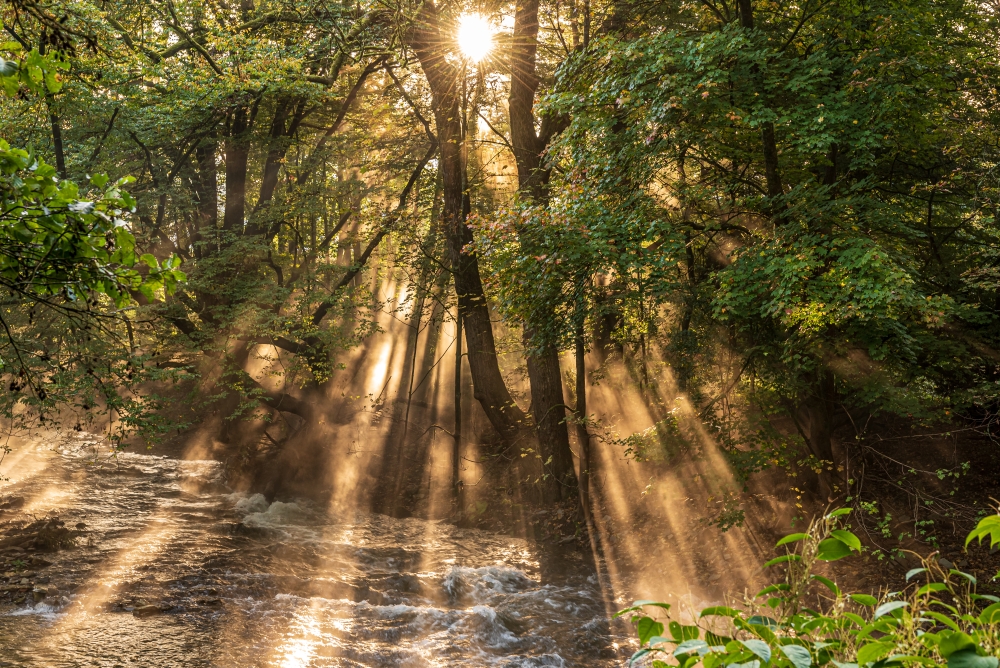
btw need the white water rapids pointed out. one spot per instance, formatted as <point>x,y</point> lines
<point>170,568</point>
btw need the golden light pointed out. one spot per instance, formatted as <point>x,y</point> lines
<point>475,36</point>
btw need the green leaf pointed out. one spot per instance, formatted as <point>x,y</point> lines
<point>931,587</point>
<point>635,607</point>
<point>719,611</point>
<point>760,620</point>
<point>991,615</point>
<point>689,646</point>
<point>864,599</point>
<point>782,559</point>
<point>872,652</point>
<point>829,583</point>
<point>8,68</point>
<point>638,655</point>
<point>647,627</point>
<point>968,576</point>
<point>907,659</point>
<point>681,633</point>
<point>758,647</point>
<point>886,608</point>
<point>969,659</point>
<point>832,549</point>
<point>798,655</point>
<point>772,588</point>
<point>791,538</point>
<point>913,572</point>
<point>956,641</point>
<point>987,527</point>
<point>847,538</point>
<point>839,512</point>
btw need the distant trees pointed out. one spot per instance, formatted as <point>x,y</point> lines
<point>811,187</point>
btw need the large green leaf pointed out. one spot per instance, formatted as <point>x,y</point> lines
<point>988,527</point>
<point>872,652</point>
<point>955,641</point>
<point>968,658</point>
<point>758,647</point>
<point>647,627</point>
<point>833,549</point>
<point>889,607</point>
<point>798,655</point>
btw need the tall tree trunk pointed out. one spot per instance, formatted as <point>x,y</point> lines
<point>429,42</point>
<point>581,415</point>
<point>57,144</point>
<point>548,404</point>
<point>820,407</point>
<point>207,191</point>
<point>237,151</point>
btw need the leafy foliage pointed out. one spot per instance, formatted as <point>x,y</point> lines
<point>940,622</point>
<point>68,266</point>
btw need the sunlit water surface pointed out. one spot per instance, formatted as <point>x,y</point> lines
<point>244,581</point>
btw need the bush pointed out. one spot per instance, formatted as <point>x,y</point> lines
<point>938,620</point>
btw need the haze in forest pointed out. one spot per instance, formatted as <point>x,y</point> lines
<point>424,316</point>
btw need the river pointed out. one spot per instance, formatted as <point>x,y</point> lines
<point>169,567</point>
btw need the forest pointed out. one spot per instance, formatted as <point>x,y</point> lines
<point>544,333</point>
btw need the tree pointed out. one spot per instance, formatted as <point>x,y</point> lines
<point>812,181</point>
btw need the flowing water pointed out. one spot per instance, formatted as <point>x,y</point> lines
<point>170,568</point>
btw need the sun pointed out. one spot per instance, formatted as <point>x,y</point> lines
<point>475,36</point>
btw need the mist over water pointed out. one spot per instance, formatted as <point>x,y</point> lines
<point>173,569</point>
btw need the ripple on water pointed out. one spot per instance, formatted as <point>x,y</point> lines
<point>244,581</point>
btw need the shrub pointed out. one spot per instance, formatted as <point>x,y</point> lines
<point>937,620</point>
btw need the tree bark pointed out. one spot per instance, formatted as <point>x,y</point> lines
<point>819,408</point>
<point>428,41</point>
<point>548,404</point>
<point>581,415</point>
<point>237,151</point>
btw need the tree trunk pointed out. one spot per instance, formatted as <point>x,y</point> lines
<point>237,151</point>
<point>581,428</point>
<point>429,41</point>
<point>548,404</point>
<point>549,410</point>
<point>820,407</point>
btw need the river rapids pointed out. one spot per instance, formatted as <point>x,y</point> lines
<point>168,567</point>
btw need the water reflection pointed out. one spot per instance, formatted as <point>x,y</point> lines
<point>174,570</point>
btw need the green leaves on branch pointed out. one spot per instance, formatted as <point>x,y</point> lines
<point>937,624</point>
<point>56,244</point>
<point>36,72</point>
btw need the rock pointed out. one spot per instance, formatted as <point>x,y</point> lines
<point>963,564</point>
<point>43,580</point>
<point>945,564</point>
<point>80,526</point>
<point>25,581</point>
<point>146,611</point>
<point>39,593</point>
